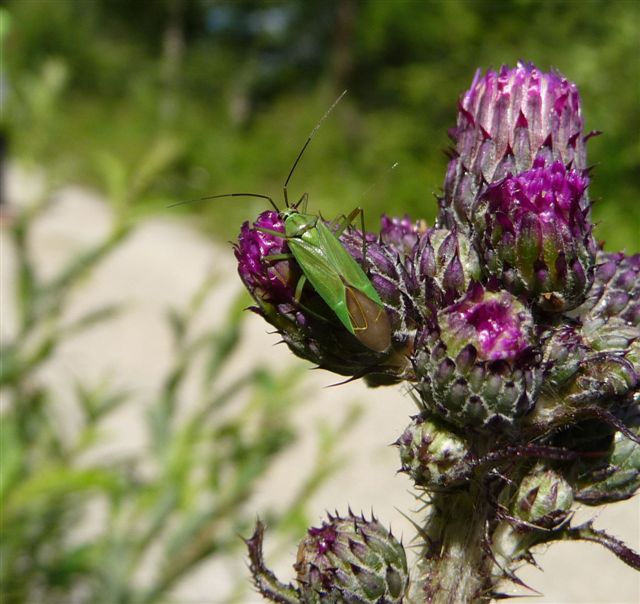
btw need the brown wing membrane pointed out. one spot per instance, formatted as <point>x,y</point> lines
<point>369,319</point>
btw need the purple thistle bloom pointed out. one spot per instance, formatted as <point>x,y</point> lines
<point>506,120</point>
<point>480,367</point>
<point>533,232</point>
<point>494,323</point>
<point>267,281</point>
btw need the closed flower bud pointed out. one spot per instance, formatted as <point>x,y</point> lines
<point>428,450</point>
<point>506,120</point>
<point>563,353</point>
<point>533,233</point>
<point>544,499</point>
<point>611,312</point>
<point>607,466</point>
<point>614,475</point>
<point>351,560</point>
<point>479,368</point>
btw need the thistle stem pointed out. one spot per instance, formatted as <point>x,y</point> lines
<point>455,566</point>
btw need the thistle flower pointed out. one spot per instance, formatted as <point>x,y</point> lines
<point>268,281</point>
<point>479,367</point>
<point>428,449</point>
<point>308,326</point>
<point>533,233</point>
<point>506,120</point>
<point>351,560</point>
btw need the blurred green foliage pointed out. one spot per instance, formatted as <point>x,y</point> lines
<point>84,518</point>
<point>241,83</point>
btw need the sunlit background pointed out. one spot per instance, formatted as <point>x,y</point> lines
<point>147,419</point>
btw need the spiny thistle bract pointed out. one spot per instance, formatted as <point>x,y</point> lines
<point>517,336</point>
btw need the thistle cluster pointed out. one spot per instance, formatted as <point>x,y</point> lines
<point>517,335</point>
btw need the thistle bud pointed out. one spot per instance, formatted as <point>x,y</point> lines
<point>505,121</point>
<point>533,232</point>
<point>480,368</point>
<point>564,350</point>
<point>351,560</point>
<point>428,450</point>
<point>611,312</point>
<point>544,499</point>
<point>614,476</point>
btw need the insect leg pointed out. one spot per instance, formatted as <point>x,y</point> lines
<point>302,201</point>
<point>346,221</point>
<point>299,286</point>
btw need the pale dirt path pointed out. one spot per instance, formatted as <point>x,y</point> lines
<point>161,265</point>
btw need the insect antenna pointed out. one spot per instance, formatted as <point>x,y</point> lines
<point>304,147</point>
<point>258,195</point>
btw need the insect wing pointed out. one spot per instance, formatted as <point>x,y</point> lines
<point>343,285</point>
<point>370,321</point>
<point>345,264</point>
<point>321,272</point>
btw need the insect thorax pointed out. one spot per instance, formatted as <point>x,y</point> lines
<point>297,224</point>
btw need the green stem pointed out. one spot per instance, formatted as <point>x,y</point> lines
<point>455,568</point>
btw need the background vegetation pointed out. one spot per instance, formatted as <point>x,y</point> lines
<point>232,89</point>
<point>158,101</point>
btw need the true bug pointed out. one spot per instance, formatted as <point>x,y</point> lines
<point>325,263</point>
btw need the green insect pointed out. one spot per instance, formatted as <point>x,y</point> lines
<point>336,276</point>
<point>332,272</point>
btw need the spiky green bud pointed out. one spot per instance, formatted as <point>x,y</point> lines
<point>479,368</point>
<point>614,480</point>
<point>544,499</point>
<point>428,450</point>
<point>608,466</point>
<point>351,560</point>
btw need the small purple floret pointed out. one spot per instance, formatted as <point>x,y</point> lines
<point>492,322</point>
<point>325,537</point>
<point>553,194</point>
